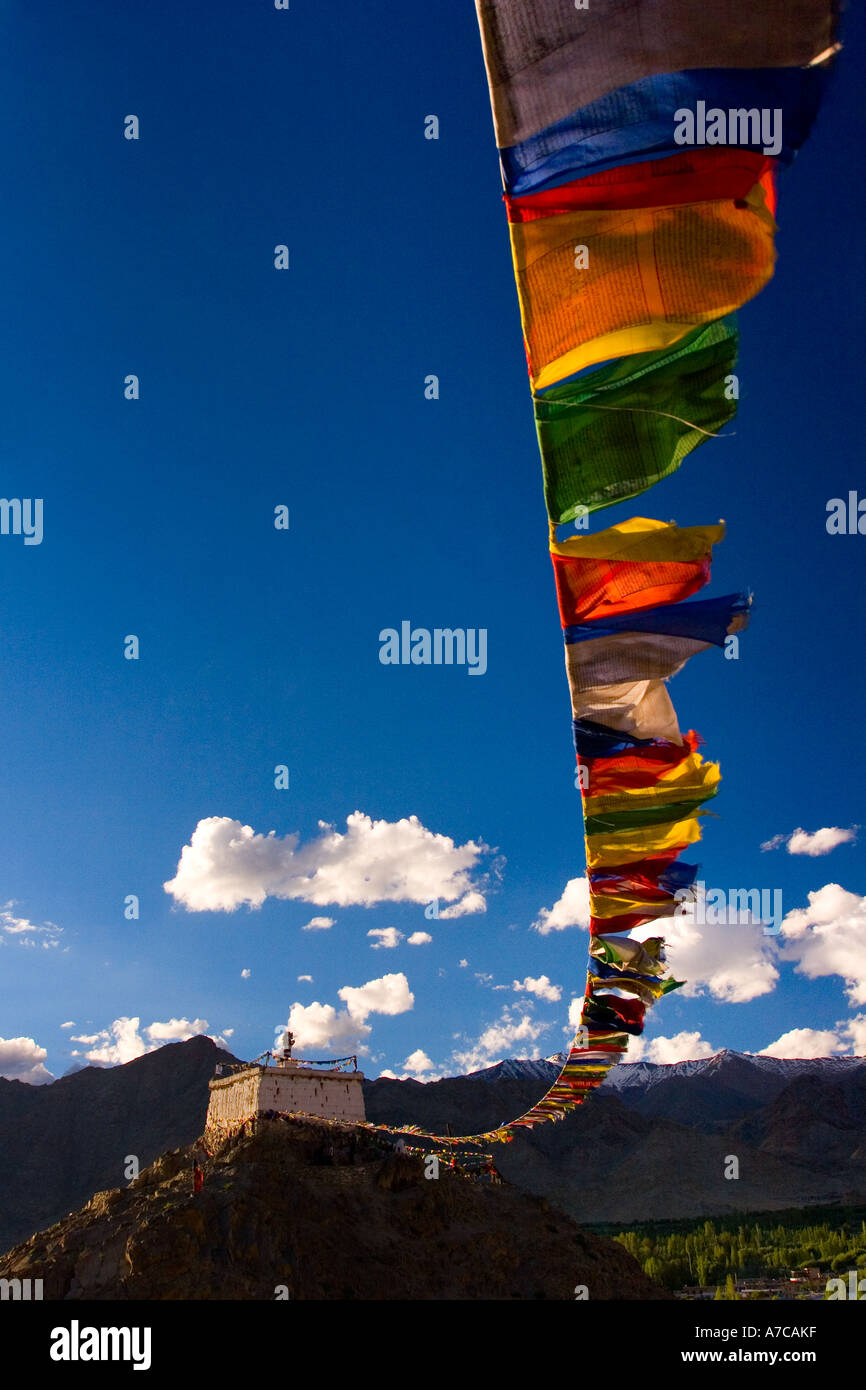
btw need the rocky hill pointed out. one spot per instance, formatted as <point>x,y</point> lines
<point>280,1215</point>
<point>653,1146</point>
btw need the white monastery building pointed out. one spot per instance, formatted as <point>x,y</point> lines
<point>285,1084</point>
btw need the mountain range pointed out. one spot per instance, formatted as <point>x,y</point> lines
<point>655,1142</point>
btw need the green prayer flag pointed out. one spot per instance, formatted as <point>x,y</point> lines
<point>610,434</point>
<point>609,822</point>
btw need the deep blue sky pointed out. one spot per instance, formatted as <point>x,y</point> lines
<point>260,647</point>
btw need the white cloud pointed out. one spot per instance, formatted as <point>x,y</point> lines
<point>463,964</point>
<point>829,938</point>
<point>774,843</point>
<point>319,1027</point>
<point>734,963</point>
<point>307,978</point>
<point>122,1041</point>
<point>813,842</point>
<point>419,938</point>
<point>472,901</point>
<point>22,1059</point>
<point>25,932</point>
<point>417,1067</point>
<point>387,938</point>
<point>418,1061</point>
<point>681,1047</point>
<point>227,864</point>
<point>575,1009</point>
<point>176,1030</point>
<point>319,924</point>
<point>541,987</point>
<point>388,995</point>
<point>497,1041</point>
<point>245,974</point>
<point>804,1042</point>
<point>70,1024</point>
<point>572,909</point>
<point>820,841</point>
<point>322,1026</point>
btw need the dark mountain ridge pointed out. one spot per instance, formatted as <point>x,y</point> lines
<point>653,1146</point>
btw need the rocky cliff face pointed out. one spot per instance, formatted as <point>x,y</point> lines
<point>277,1211</point>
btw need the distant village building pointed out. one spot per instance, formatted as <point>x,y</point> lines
<point>282,1083</point>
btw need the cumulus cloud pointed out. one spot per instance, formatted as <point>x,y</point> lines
<point>245,974</point>
<point>22,1059</point>
<point>226,864</point>
<point>575,1009</point>
<point>734,963</point>
<point>322,1026</point>
<point>681,1047</point>
<point>829,938</point>
<point>463,964</point>
<point>419,938</point>
<point>177,1030</point>
<point>497,1041</point>
<point>417,1067</point>
<point>389,995</point>
<point>124,1039</point>
<point>855,1028</point>
<point>386,938</point>
<point>70,1024</point>
<point>571,910</point>
<point>319,924</point>
<point>813,842</point>
<point>473,901</point>
<point>307,978</point>
<point>805,1042</point>
<point>541,987</point>
<point>418,1061</point>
